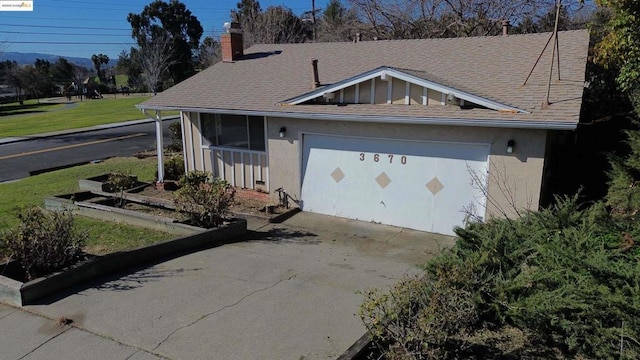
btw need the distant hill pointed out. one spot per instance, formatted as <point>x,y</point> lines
<point>30,58</point>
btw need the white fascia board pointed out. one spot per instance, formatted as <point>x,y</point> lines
<point>334,87</point>
<point>551,124</point>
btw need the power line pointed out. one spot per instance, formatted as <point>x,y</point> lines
<point>65,27</point>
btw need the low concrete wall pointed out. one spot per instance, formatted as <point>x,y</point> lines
<point>110,213</point>
<point>18,294</point>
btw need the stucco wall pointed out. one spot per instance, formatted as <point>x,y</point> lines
<point>514,179</point>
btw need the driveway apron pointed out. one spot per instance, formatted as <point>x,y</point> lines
<point>288,291</point>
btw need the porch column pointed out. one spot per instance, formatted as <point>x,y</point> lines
<point>159,147</point>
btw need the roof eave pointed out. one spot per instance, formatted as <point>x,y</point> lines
<point>449,121</point>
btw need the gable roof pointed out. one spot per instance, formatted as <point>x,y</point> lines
<point>416,77</point>
<point>493,69</point>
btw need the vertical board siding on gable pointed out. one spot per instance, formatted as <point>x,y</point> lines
<point>415,95</point>
<point>398,91</point>
<point>365,92</point>
<point>382,90</point>
<point>434,97</point>
<point>350,95</point>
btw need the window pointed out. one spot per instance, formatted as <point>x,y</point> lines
<point>235,131</point>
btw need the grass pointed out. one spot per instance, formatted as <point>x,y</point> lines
<point>104,237</point>
<point>29,107</point>
<point>83,114</point>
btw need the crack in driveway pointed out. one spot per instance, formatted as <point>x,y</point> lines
<point>9,314</point>
<point>221,309</point>
<point>44,343</point>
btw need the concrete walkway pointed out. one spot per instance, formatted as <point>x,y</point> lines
<point>289,291</point>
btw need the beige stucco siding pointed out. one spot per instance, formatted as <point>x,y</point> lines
<point>514,179</point>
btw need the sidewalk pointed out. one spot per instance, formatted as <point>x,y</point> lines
<point>289,291</point>
<point>10,140</point>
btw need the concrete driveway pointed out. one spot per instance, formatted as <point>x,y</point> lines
<point>290,291</point>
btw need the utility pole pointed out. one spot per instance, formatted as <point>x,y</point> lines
<point>313,18</point>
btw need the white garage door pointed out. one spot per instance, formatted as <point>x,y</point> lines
<point>419,185</point>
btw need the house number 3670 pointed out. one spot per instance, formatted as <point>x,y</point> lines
<point>378,158</point>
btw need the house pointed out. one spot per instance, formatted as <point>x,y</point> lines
<point>423,134</point>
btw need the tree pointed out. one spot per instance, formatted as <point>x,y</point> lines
<point>338,23</point>
<point>155,58</point>
<point>173,21</point>
<point>209,53</point>
<point>128,65</point>
<point>80,74</point>
<point>62,71</point>
<point>98,61</point>
<point>15,78</point>
<point>620,47</point>
<point>276,25</point>
<point>408,19</point>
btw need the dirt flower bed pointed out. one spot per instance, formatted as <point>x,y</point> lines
<point>246,202</point>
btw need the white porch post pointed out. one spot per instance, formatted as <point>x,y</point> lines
<point>159,147</point>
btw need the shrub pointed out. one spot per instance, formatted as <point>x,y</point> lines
<point>173,167</point>
<point>119,182</point>
<point>43,241</point>
<point>194,178</point>
<point>558,283</point>
<point>204,199</point>
<point>176,137</point>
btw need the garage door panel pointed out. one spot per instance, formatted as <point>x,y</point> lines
<point>419,185</point>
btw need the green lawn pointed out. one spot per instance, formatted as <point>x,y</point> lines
<point>103,236</point>
<point>29,107</point>
<point>61,117</point>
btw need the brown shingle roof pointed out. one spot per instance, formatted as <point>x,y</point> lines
<point>491,67</point>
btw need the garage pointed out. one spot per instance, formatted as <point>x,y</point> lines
<point>414,184</point>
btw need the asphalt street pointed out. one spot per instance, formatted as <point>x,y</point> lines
<point>24,158</point>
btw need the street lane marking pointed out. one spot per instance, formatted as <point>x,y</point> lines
<point>71,146</point>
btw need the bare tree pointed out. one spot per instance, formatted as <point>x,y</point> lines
<point>155,58</point>
<point>395,19</point>
<point>209,53</point>
<point>80,74</point>
<point>275,25</point>
<point>14,77</point>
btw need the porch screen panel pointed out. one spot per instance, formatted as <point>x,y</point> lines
<point>256,133</point>
<point>208,122</point>
<point>232,131</point>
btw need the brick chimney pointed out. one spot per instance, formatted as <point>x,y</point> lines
<point>231,42</point>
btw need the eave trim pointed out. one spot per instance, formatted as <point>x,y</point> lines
<point>551,124</point>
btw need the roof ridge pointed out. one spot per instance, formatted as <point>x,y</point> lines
<point>436,39</point>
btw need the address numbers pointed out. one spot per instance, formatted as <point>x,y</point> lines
<point>384,157</point>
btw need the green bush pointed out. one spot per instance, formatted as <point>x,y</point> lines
<point>173,167</point>
<point>176,137</point>
<point>119,182</point>
<point>43,242</point>
<point>205,199</point>
<point>195,178</point>
<point>558,283</point>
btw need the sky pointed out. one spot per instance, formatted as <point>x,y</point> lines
<point>76,28</point>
